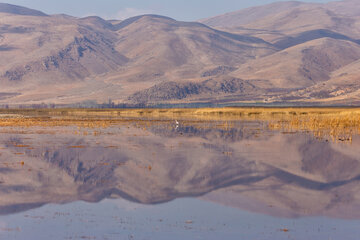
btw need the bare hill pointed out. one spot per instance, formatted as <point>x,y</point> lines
<point>302,65</point>
<point>273,52</point>
<point>275,20</point>
<point>13,9</point>
<point>91,55</point>
<point>248,15</point>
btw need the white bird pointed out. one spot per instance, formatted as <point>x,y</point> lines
<point>176,121</point>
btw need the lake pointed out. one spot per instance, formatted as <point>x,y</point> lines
<point>180,174</point>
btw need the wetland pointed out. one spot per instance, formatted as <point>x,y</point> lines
<point>234,173</point>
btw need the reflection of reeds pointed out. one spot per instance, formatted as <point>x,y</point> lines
<point>339,127</point>
<point>194,113</point>
<point>339,124</point>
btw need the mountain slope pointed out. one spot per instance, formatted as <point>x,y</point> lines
<point>349,8</point>
<point>297,67</point>
<point>302,65</point>
<point>246,16</point>
<point>96,56</point>
<point>302,19</point>
<point>13,9</point>
<point>275,20</point>
<point>285,50</point>
<point>186,49</point>
<point>343,87</point>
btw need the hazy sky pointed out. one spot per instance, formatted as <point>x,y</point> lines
<point>186,10</point>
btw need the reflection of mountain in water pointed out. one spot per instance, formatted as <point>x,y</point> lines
<point>230,131</point>
<point>274,173</point>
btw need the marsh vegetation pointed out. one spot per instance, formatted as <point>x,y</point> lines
<point>338,124</point>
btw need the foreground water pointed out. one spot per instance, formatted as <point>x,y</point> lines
<point>184,179</point>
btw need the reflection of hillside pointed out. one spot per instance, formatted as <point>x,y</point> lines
<point>294,173</point>
<point>226,131</point>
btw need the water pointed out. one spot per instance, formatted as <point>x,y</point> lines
<point>161,180</point>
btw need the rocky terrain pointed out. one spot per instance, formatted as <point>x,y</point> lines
<point>282,52</point>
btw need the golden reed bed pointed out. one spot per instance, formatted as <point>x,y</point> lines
<point>341,124</point>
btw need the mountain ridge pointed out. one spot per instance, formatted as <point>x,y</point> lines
<point>14,9</point>
<point>265,53</point>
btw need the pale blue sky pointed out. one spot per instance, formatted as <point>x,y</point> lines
<point>186,10</point>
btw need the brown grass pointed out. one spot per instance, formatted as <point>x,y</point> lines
<point>340,124</point>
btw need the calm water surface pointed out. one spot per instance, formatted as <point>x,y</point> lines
<point>162,180</point>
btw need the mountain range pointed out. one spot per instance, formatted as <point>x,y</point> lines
<point>284,52</point>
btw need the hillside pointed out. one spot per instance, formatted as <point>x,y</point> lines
<point>302,65</point>
<point>289,16</point>
<point>274,52</point>
<point>249,15</point>
<point>91,58</point>
<point>12,9</point>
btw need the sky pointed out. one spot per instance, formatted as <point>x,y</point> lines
<point>184,10</point>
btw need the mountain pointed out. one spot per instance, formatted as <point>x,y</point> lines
<point>343,87</point>
<point>303,64</point>
<point>264,53</point>
<point>246,16</point>
<point>65,60</point>
<point>162,49</point>
<point>12,9</point>
<point>279,15</point>
<point>318,44</point>
<point>349,8</point>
